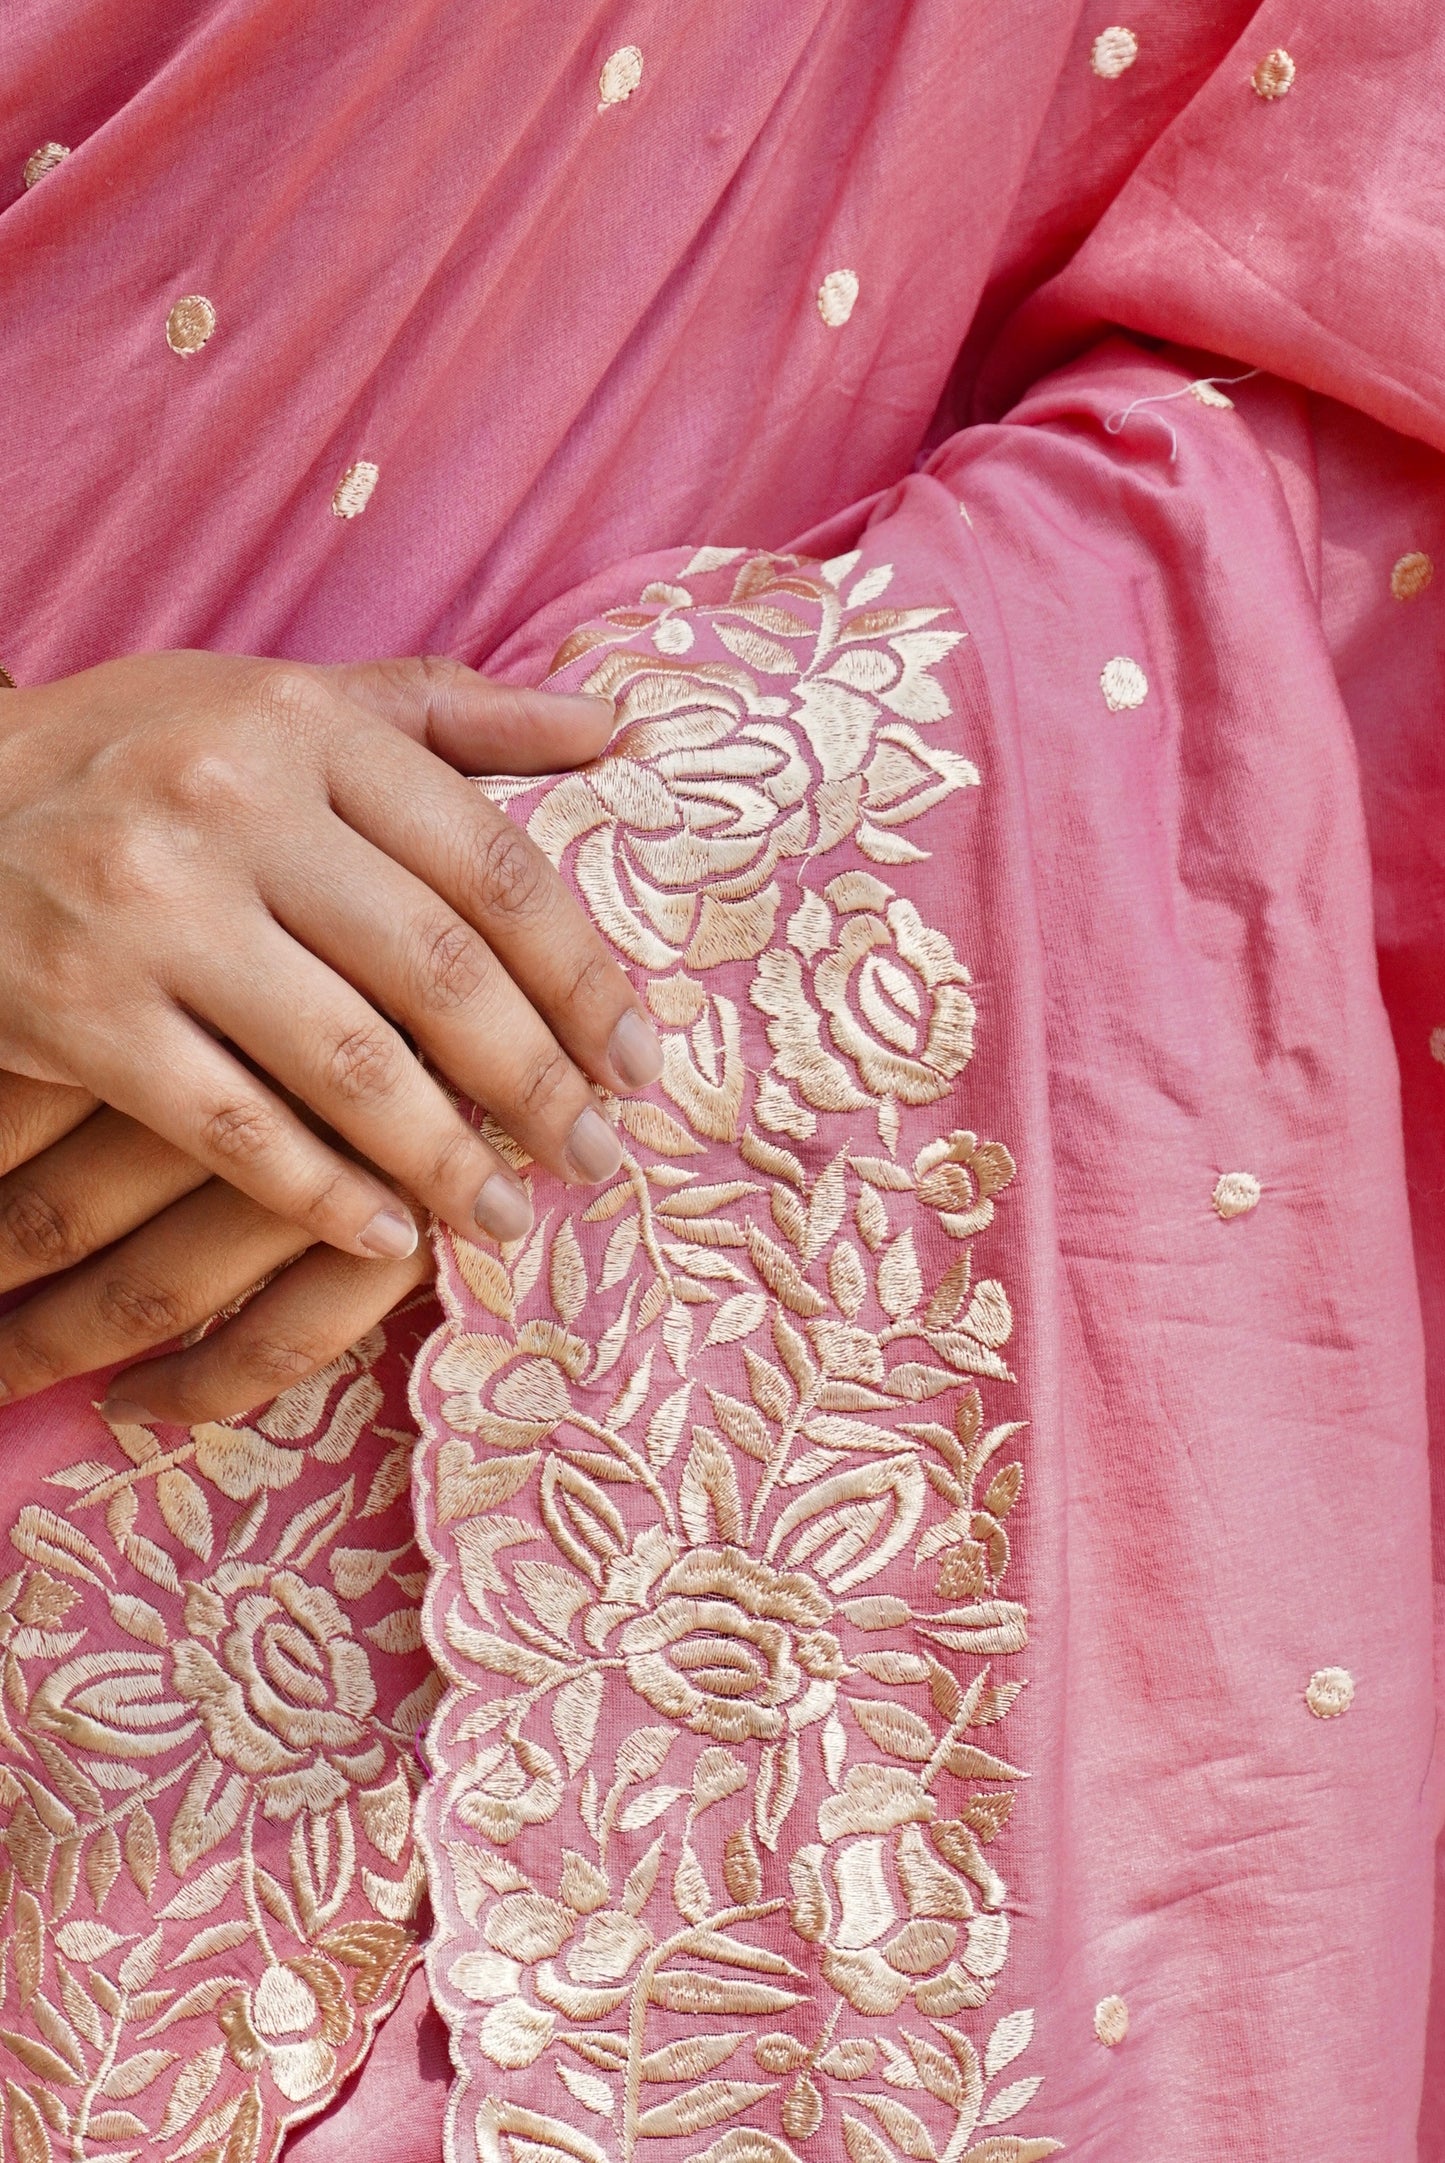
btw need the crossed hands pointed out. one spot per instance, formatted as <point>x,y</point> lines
<point>231,891</point>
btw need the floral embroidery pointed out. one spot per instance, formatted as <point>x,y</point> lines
<point>212,1678</point>
<point>719,1587</point>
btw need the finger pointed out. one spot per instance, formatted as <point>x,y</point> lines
<point>446,833</point>
<point>297,1324</point>
<point>171,1075</point>
<point>384,930</point>
<point>175,1272</point>
<point>100,1181</point>
<point>320,1039</point>
<point>474,724</point>
<point>33,1114</point>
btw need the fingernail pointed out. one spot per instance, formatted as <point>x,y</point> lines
<point>125,1412</point>
<point>503,1207</point>
<point>634,1051</point>
<point>391,1234</point>
<point>593,1150</point>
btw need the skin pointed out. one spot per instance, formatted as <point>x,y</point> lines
<point>224,883</point>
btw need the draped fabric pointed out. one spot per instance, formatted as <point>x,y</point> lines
<point>930,1574</point>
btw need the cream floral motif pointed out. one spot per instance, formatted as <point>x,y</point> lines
<point>213,1886</point>
<point>719,1522</point>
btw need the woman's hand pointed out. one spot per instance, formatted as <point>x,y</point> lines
<point>211,865</point>
<point>145,1247</point>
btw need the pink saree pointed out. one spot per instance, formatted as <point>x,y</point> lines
<point>901,1628</point>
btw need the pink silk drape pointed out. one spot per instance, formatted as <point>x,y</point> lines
<point>579,337</point>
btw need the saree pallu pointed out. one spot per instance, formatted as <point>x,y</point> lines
<point>918,1595</point>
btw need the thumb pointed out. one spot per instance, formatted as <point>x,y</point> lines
<point>477,726</point>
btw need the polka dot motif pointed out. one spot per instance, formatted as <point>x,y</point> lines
<point>621,74</point>
<point>190,323</point>
<point>837,297</point>
<point>1329,1692</point>
<point>1111,2022</point>
<point>354,489</point>
<point>1236,1194</point>
<point>1113,53</point>
<point>1123,684</point>
<point>1274,77</point>
<point>1411,575</point>
<point>43,161</point>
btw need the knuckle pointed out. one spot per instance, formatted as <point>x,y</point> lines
<point>275,1359</point>
<point>543,1080</point>
<point>239,1134</point>
<point>591,976</point>
<point>209,787</point>
<point>453,965</point>
<point>288,697</point>
<point>510,871</point>
<point>135,1311</point>
<point>31,1360</point>
<point>361,1065</point>
<point>37,1230</point>
<point>452,1162</point>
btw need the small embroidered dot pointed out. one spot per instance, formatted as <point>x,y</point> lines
<point>621,74</point>
<point>1329,1692</point>
<point>353,490</point>
<point>1411,575</point>
<point>672,635</point>
<point>1274,77</point>
<point>1437,1045</point>
<point>1114,53</point>
<point>1236,1194</point>
<point>189,324</point>
<point>43,161</point>
<point>837,297</point>
<point>1208,395</point>
<point>1111,2021</point>
<point>1123,684</point>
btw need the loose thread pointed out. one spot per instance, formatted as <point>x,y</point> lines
<point>1115,422</point>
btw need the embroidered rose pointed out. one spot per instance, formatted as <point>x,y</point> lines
<point>286,1693</point>
<point>510,1785</point>
<point>731,1647</point>
<point>891,989</point>
<point>290,2024</point>
<point>959,1178</point>
<point>703,1069</point>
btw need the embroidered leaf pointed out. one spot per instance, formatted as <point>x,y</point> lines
<point>657,1129</point>
<point>593,2094</point>
<point>575,1711</point>
<point>741,1424</point>
<point>708,1500</point>
<point>568,1273</point>
<point>769,1157</point>
<point>1011,2100</point>
<point>1010,2036</point>
<point>737,1317</point>
<point>664,1429</point>
<point>900,1281</point>
<point>783,1276</point>
<point>641,1809</point>
<point>903,2125</point>
<point>621,1247</point>
<point>38,2059</point>
<point>133,2074</point>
